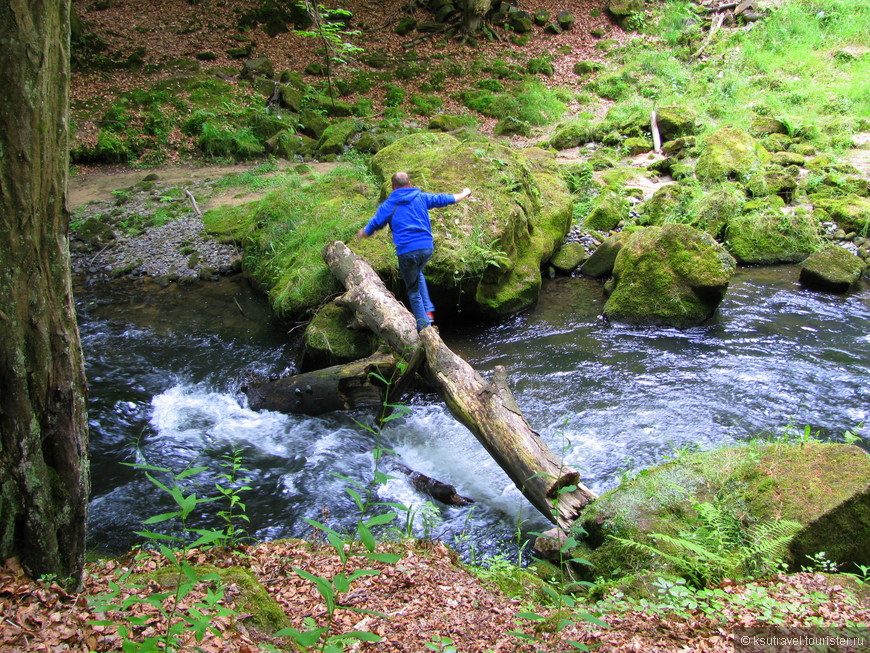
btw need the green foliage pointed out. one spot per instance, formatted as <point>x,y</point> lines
<point>229,142</point>
<point>721,546</point>
<point>529,102</point>
<point>175,620</point>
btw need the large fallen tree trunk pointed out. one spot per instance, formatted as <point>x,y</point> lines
<point>487,409</point>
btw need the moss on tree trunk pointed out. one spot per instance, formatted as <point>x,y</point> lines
<point>44,481</point>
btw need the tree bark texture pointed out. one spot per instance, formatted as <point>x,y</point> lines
<point>340,387</point>
<point>487,409</point>
<point>44,480</point>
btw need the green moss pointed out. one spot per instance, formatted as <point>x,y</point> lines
<point>730,154</point>
<point>672,275</point>
<point>608,209</point>
<point>329,340</point>
<point>772,237</point>
<point>821,486</point>
<point>284,233</point>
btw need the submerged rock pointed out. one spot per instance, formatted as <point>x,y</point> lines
<point>831,269</point>
<point>672,275</point>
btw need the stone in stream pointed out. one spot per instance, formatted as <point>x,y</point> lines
<point>672,275</point>
<point>831,269</point>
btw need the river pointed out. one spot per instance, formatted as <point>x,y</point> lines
<point>165,371</point>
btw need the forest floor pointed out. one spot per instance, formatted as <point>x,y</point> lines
<point>425,601</point>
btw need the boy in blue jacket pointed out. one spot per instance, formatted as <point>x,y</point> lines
<point>406,210</point>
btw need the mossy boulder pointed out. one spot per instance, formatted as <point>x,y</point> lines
<point>788,159</point>
<point>569,257</point>
<point>608,209</point>
<point>290,97</point>
<point>716,208</point>
<point>336,136</point>
<point>289,145</point>
<point>771,236</point>
<point>851,213</point>
<point>624,7</point>
<point>832,269</point>
<point>488,250</point>
<point>730,153</point>
<point>823,487</point>
<point>258,67</point>
<point>572,134</point>
<point>664,205</point>
<point>676,122</point>
<point>773,180</point>
<point>637,145</point>
<point>284,232</point>
<point>332,337</point>
<point>672,275</point>
<point>600,263</point>
<point>448,123</point>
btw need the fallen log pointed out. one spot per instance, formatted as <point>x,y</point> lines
<point>340,387</point>
<point>488,409</point>
<point>443,492</point>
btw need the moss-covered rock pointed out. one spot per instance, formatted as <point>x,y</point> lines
<point>336,136</point>
<point>666,204</point>
<point>637,145</point>
<point>788,159</point>
<point>289,145</point>
<point>572,134</point>
<point>488,251</point>
<point>331,338</point>
<point>851,213</point>
<point>730,154</point>
<point>283,234</point>
<point>448,123</point>
<point>773,180</point>
<point>673,275</point>
<point>823,487</point>
<point>771,236</point>
<point>600,263</point>
<point>832,269</point>
<point>715,209</point>
<point>624,7</point>
<point>568,257</point>
<point>676,122</point>
<point>608,209</point>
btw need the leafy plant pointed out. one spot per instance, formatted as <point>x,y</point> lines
<point>175,621</point>
<point>332,34</point>
<point>721,546</point>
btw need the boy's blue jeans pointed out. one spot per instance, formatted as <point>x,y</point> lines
<point>411,267</point>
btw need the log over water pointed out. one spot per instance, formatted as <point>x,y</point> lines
<point>487,409</point>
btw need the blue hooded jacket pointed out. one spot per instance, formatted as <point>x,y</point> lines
<point>406,210</point>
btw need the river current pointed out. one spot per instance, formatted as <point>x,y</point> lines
<point>165,372</point>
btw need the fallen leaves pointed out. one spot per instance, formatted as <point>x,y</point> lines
<point>424,596</point>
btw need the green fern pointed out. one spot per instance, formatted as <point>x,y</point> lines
<point>721,547</point>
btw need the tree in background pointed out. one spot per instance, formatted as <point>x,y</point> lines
<point>44,479</point>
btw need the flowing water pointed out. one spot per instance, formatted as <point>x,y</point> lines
<point>165,372</point>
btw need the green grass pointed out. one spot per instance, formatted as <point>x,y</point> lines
<point>529,101</point>
<point>283,234</point>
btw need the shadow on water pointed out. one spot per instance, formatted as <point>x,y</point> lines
<point>165,371</point>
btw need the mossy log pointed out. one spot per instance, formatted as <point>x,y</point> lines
<point>488,409</point>
<point>340,387</point>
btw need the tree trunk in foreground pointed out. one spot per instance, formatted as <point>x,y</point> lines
<point>487,409</point>
<point>44,481</point>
